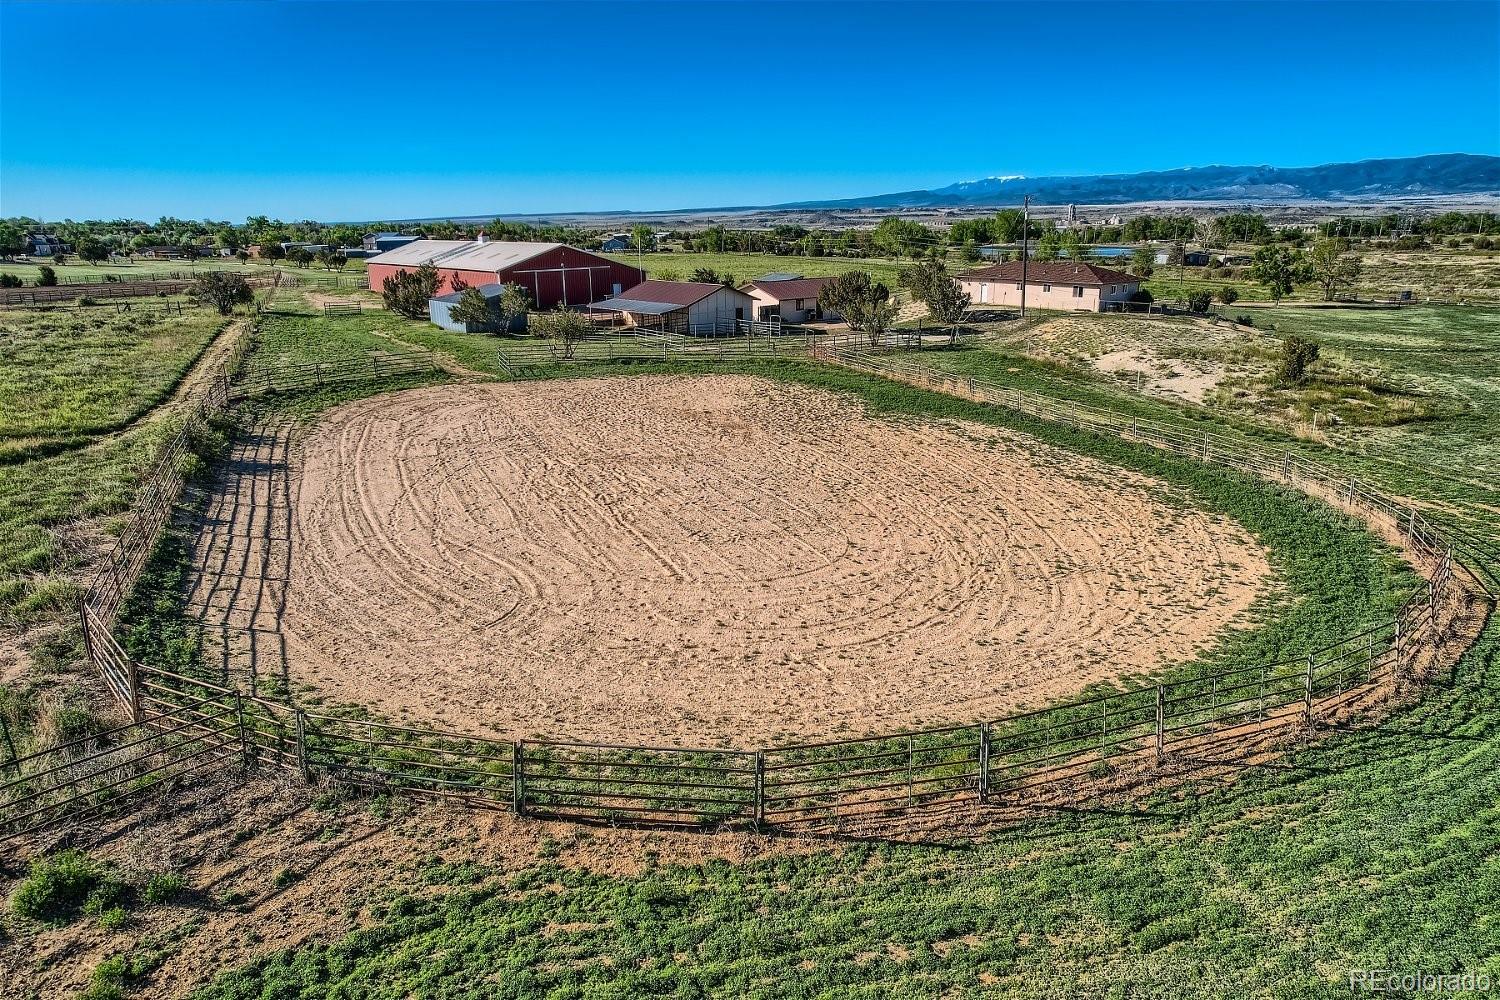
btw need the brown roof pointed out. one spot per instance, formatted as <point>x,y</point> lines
<point>789,288</point>
<point>1052,272</point>
<point>681,293</point>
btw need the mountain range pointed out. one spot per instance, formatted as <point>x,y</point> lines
<point>1414,176</point>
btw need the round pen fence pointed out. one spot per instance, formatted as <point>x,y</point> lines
<point>1050,755</point>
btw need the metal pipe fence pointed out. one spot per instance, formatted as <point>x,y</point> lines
<point>1059,752</point>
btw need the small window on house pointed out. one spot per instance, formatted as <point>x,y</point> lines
<point>1077,291</point>
<point>1046,287</point>
<point>799,305</point>
<point>1018,286</point>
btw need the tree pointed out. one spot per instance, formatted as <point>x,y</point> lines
<point>473,309</point>
<point>91,250</point>
<point>1296,354</point>
<point>12,240</point>
<point>513,303</point>
<point>300,256</point>
<point>10,281</point>
<point>242,255</point>
<point>1279,269</point>
<point>705,274</point>
<point>1228,295</point>
<point>1332,266</point>
<point>641,234</point>
<point>877,317</point>
<point>457,283</point>
<point>45,277</point>
<point>1143,261</point>
<point>564,327</point>
<point>858,298</point>
<point>271,250</point>
<point>222,290</point>
<point>407,292</point>
<point>930,284</point>
<point>1176,255</point>
<point>1048,245</point>
<point>1198,302</point>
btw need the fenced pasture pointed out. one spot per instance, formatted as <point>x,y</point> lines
<point>315,375</point>
<point>1054,755</point>
<point>129,287</point>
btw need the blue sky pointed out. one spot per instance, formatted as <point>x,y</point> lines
<point>343,111</point>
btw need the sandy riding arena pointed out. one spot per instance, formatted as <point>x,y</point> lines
<point>724,559</point>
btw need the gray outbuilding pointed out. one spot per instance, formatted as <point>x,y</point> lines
<point>440,310</point>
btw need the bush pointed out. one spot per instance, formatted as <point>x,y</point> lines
<point>1296,354</point>
<point>1228,295</point>
<point>1198,302</point>
<point>1142,296</point>
<point>45,277</point>
<point>1245,320</point>
<point>1484,243</point>
<point>221,290</point>
<point>163,887</point>
<point>57,887</point>
<point>10,281</point>
<point>87,300</point>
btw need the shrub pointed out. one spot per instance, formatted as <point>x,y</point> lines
<point>1228,295</point>
<point>1142,296</point>
<point>1296,354</point>
<point>163,887</point>
<point>222,290</point>
<point>1484,243</point>
<point>46,277</point>
<point>407,292</point>
<point>87,300</point>
<point>1245,319</point>
<point>1198,302</point>
<point>56,888</point>
<point>10,281</point>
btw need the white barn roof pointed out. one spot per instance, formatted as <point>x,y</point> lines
<point>463,255</point>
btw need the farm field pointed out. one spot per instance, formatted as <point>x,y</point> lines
<point>1406,397</point>
<point>748,266</point>
<point>82,273</point>
<point>1368,846</point>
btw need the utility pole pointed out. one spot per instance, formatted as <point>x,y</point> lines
<point>1025,253</point>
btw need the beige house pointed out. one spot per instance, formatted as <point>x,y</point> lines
<point>1051,284</point>
<point>691,307</point>
<point>789,299</point>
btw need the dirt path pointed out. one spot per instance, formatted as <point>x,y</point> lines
<point>717,558</point>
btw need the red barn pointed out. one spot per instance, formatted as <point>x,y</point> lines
<point>553,273</point>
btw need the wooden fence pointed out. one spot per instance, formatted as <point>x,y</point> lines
<point>315,375</point>
<point>1051,755</point>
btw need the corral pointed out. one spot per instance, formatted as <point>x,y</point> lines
<point>721,560</point>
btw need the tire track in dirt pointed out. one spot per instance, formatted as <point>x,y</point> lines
<point>725,559</point>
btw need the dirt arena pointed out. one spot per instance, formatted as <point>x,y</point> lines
<point>702,560</point>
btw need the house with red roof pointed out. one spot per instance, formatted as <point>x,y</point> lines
<point>697,307</point>
<point>1051,284</point>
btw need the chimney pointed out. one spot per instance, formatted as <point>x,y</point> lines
<point>483,237</point>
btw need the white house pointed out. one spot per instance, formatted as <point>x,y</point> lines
<point>1050,284</point>
<point>790,298</point>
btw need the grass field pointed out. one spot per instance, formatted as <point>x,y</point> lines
<point>748,266</point>
<point>66,373</point>
<point>77,271</point>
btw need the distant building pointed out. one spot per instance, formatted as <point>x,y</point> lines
<point>162,253</point>
<point>381,242</point>
<point>1192,258</point>
<point>440,309</point>
<point>677,306</point>
<point>618,242</point>
<point>1050,285</point>
<point>554,274</point>
<point>43,245</point>
<point>789,298</point>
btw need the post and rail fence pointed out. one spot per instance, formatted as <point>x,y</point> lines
<point>182,725</point>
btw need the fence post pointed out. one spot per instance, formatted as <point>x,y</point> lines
<point>910,763</point>
<point>984,762</point>
<point>760,788</point>
<point>10,745</point>
<point>239,716</point>
<point>1307,693</point>
<point>299,723</point>
<point>1161,722</point>
<point>518,778</point>
<point>132,678</point>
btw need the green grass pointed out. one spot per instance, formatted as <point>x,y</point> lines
<point>68,373</point>
<point>75,271</point>
<point>1375,849</point>
<point>747,266</point>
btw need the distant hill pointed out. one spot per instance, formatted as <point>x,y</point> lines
<point>1440,174</point>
